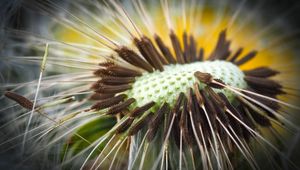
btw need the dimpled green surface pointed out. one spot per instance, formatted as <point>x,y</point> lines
<point>165,86</point>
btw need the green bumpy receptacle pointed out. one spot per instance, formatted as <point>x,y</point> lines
<point>165,86</point>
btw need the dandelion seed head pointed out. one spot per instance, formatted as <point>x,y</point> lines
<point>162,84</point>
<point>165,86</point>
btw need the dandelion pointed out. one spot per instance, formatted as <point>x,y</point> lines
<point>152,85</point>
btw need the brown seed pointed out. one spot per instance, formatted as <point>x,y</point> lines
<point>154,51</point>
<point>183,124</point>
<point>156,120</point>
<point>139,125</point>
<point>221,51</point>
<point>262,82</point>
<point>186,48</point>
<point>124,126</point>
<point>164,49</point>
<point>205,78</point>
<point>236,55</point>
<point>220,112</point>
<point>107,64</point>
<point>109,102</point>
<point>168,124</point>
<point>212,113</point>
<point>121,106</point>
<point>178,103</point>
<point>272,104</point>
<point>262,72</point>
<point>233,122</point>
<point>177,47</point>
<point>102,72</point>
<point>192,49</point>
<point>110,80</point>
<point>247,135</point>
<point>100,96</point>
<point>258,118</point>
<point>108,89</point>
<point>133,58</point>
<point>200,56</point>
<point>198,95</point>
<point>140,110</point>
<point>149,52</point>
<point>120,71</point>
<point>246,58</point>
<point>215,97</point>
<point>21,100</point>
<point>216,84</point>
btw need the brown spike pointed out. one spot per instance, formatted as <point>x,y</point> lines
<point>257,117</point>
<point>21,100</point>
<point>109,102</point>
<point>168,124</point>
<point>221,50</point>
<point>220,109</point>
<point>164,49</point>
<point>268,91</point>
<point>246,58</point>
<point>197,109</point>
<point>140,110</point>
<point>193,49</point>
<point>176,130</point>
<point>247,135</point>
<point>140,124</point>
<point>183,115</point>
<point>233,122</point>
<point>124,126</point>
<point>156,120</point>
<point>215,97</point>
<point>154,54</point>
<point>177,47</point>
<point>186,48</point>
<point>200,56</point>
<point>183,124</point>
<point>205,78</point>
<point>154,51</point>
<point>198,95</point>
<point>112,89</point>
<point>149,52</point>
<point>178,103</point>
<point>111,80</point>
<point>236,55</point>
<point>215,84</point>
<point>189,99</point>
<point>96,85</point>
<point>262,72</point>
<point>123,72</point>
<point>269,103</point>
<point>257,82</point>
<point>133,58</point>
<point>212,113</point>
<point>226,52</point>
<point>101,72</point>
<point>121,106</point>
<point>194,105</point>
<point>272,104</point>
<point>107,64</point>
<point>100,96</point>
<point>142,49</point>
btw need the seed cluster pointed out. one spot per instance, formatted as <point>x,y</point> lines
<point>185,76</point>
